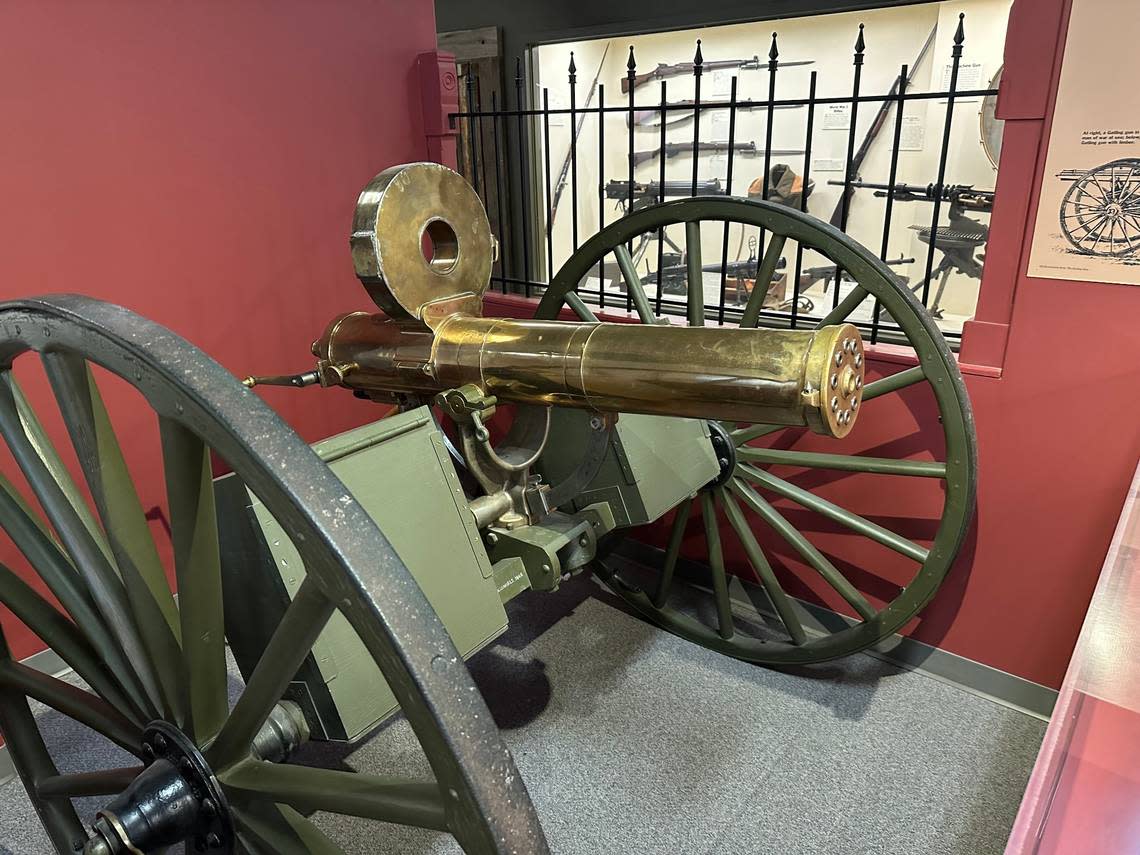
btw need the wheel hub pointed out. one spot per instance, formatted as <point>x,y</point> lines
<point>175,798</point>
<point>725,450</point>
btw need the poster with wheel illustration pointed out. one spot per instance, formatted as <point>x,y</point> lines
<point>1088,219</point>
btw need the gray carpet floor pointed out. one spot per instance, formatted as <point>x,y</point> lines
<point>634,741</point>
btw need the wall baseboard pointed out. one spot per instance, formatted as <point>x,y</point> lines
<point>48,662</point>
<point>979,679</point>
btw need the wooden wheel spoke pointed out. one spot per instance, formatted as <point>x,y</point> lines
<point>633,285</point>
<point>73,702</point>
<point>832,511</point>
<point>845,462</point>
<point>763,278</point>
<point>105,782</point>
<point>672,552</point>
<point>128,532</point>
<point>268,829</point>
<point>32,538</point>
<point>579,307</point>
<point>197,562</point>
<point>309,789</point>
<point>291,642</point>
<point>845,307</point>
<point>780,600</point>
<point>43,447</point>
<point>719,574</point>
<point>805,548</point>
<point>694,276</point>
<point>742,435</point>
<point>894,382</point>
<point>34,764</point>
<point>62,636</point>
<point>71,520</point>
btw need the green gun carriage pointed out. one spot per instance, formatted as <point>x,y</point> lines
<point>351,578</point>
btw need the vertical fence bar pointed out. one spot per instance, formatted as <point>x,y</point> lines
<point>601,189</point>
<point>848,171</point>
<point>631,76</point>
<point>549,198</point>
<point>885,248</point>
<point>956,59</point>
<point>482,143</point>
<point>520,104</point>
<point>506,242</point>
<point>661,156</point>
<point>804,197</point>
<point>572,70</point>
<point>469,79</point>
<point>728,192</point>
<point>698,69</point>
<point>773,65</point>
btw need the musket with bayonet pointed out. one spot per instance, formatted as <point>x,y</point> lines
<point>748,149</point>
<point>664,70</point>
<point>876,126</point>
<point>826,273</point>
<point>680,112</point>
<point>564,172</point>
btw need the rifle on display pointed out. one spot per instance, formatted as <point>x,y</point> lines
<point>646,193</point>
<point>651,118</point>
<point>747,149</point>
<point>962,196</point>
<point>826,273</point>
<point>873,131</point>
<point>664,70</point>
<point>564,172</point>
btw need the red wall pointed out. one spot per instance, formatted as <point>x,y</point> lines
<point>198,162</point>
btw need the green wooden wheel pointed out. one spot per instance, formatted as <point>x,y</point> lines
<point>750,489</point>
<point>154,665</point>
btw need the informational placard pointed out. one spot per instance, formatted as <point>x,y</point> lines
<point>721,84</point>
<point>835,117</point>
<point>1088,217</point>
<point>913,134</point>
<point>827,164</point>
<point>970,76</point>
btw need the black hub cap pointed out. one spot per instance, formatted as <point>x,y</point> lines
<point>175,799</point>
<point>725,450</point>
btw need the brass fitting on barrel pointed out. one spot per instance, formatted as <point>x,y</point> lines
<point>423,248</point>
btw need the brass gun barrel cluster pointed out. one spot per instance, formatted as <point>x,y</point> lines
<point>756,375</point>
<point>423,248</point>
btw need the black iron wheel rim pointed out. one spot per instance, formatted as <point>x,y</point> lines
<point>351,566</point>
<point>936,367</point>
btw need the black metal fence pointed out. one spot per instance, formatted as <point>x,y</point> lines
<point>505,153</point>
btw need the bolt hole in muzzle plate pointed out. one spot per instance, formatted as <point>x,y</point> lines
<point>175,798</point>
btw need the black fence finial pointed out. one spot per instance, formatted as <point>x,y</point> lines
<point>860,46</point>
<point>773,55</point>
<point>960,34</point>
<point>572,69</point>
<point>631,65</point>
<point>698,60</point>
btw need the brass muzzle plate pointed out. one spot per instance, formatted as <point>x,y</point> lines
<point>835,372</point>
<point>420,236</point>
